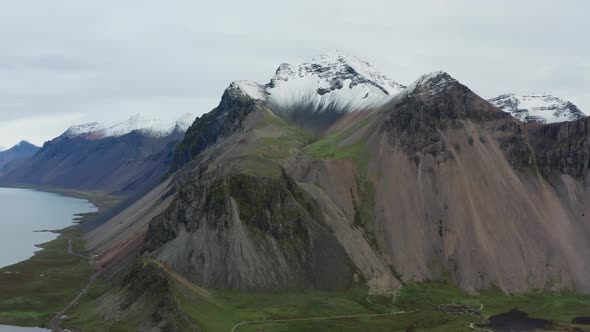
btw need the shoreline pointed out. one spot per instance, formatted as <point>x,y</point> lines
<point>100,201</point>
<point>51,269</point>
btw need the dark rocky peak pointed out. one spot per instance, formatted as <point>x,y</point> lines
<point>238,100</point>
<point>435,102</point>
<point>25,146</point>
<point>433,83</point>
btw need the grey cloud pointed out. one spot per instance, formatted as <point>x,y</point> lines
<point>68,60</point>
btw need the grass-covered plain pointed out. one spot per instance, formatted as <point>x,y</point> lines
<point>32,291</point>
<point>217,310</point>
<point>418,301</point>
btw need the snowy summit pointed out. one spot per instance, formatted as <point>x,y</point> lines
<point>538,108</point>
<point>150,127</point>
<point>335,82</point>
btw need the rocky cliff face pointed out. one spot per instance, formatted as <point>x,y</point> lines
<point>145,301</point>
<point>562,148</point>
<point>249,232</point>
<point>238,220</point>
<point>464,192</point>
<point>225,119</point>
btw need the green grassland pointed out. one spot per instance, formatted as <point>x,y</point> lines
<point>32,291</point>
<point>330,146</point>
<point>414,308</point>
<point>418,301</point>
<point>279,147</point>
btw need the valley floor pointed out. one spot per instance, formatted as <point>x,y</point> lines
<point>415,308</point>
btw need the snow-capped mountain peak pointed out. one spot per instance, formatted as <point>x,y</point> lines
<point>537,108</point>
<point>431,83</point>
<point>22,143</point>
<point>185,121</point>
<point>147,126</point>
<point>334,81</point>
<point>331,70</point>
<point>252,89</point>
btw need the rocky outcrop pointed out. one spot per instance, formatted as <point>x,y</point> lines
<point>433,103</point>
<point>145,300</point>
<point>226,118</point>
<point>562,148</point>
<point>248,232</point>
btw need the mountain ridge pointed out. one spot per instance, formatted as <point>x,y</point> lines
<point>12,157</point>
<point>137,122</point>
<point>119,159</point>
<point>538,108</point>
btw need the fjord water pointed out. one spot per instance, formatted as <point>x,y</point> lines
<point>24,211</point>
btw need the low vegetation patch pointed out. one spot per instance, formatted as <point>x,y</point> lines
<point>32,291</point>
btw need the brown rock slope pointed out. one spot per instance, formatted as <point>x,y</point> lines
<point>459,193</point>
<point>435,185</point>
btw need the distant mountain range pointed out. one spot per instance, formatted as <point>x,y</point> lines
<point>538,108</point>
<point>118,159</point>
<point>137,123</point>
<point>21,151</point>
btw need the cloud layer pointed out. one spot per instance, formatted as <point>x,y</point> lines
<point>65,61</point>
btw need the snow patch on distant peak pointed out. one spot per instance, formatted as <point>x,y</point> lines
<point>185,121</point>
<point>84,128</point>
<point>431,83</point>
<point>537,108</point>
<point>23,142</point>
<point>150,127</point>
<point>252,89</point>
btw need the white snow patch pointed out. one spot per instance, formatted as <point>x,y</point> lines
<point>431,83</point>
<point>539,108</point>
<point>252,89</point>
<point>336,81</point>
<point>331,81</point>
<point>151,127</point>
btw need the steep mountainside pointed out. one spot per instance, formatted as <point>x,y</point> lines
<point>537,108</point>
<point>434,183</point>
<point>11,157</point>
<point>119,159</point>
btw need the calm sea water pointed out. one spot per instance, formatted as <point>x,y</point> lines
<point>24,211</point>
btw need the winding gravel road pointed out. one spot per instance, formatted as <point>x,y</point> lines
<point>55,321</point>
<point>315,318</point>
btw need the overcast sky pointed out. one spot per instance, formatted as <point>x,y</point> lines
<point>66,62</point>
